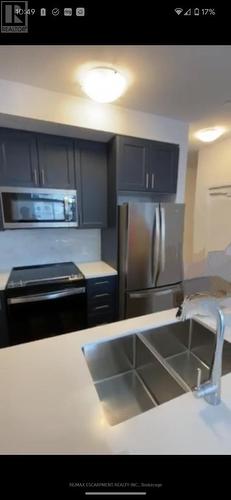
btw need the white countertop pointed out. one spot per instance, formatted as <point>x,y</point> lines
<point>49,404</point>
<point>89,269</point>
<point>96,269</point>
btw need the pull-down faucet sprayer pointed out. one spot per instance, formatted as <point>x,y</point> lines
<point>205,304</point>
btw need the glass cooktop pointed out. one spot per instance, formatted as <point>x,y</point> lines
<point>49,273</point>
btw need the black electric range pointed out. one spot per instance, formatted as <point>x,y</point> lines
<point>45,300</point>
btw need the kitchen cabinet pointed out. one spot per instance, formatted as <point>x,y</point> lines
<point>56,162</point>
<point>91,182</point>
<point>4,340</point>
<point>30,160</point>
<point>101,300</point>
<point>18,158</point>
<point>132,161</point>
<point>147,166</point>
<point>163,167</point>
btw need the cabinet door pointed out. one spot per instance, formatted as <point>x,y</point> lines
<point>91,177</point>
<point>56,162</point>
<point>18,158</point>
<point>163,167</point>
<point>132,163</point>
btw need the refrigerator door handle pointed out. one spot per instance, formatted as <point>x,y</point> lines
<point>163,240</point>
<point>164,292</point>
<point>156,248</point>
<point>136,295</point>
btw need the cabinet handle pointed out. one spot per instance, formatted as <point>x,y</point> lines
<point>43,176</point>
<point>101,283</point>
<point>153,180</point>
<point>147,180</point>
<point>101,307</point>
<point>35,177</point>
<point>101,295</point>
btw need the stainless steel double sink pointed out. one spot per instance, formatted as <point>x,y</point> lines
<point>135,373</point>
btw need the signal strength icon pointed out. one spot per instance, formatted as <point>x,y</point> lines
<point>178,10</point>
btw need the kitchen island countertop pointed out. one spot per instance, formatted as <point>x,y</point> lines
<point>49,404</point>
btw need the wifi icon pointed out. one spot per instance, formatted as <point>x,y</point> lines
<point>178,10</point>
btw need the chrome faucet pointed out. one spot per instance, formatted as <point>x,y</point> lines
<point>204,304</point>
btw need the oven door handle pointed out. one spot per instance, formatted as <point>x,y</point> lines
<point>38,297</point>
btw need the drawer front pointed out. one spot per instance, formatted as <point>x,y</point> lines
<point>100,299</point>
<point>104,307</point>
<point>98,286</point>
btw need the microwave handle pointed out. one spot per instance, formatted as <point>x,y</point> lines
<point>67,214</point>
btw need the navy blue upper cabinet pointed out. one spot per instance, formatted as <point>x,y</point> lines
<point>91,182</point>
<point>148,166</point>
<point>132,162</point>
<point>29,160</point>
<point>56,162</point>
<point>163,167</point>
<point>18,158</point>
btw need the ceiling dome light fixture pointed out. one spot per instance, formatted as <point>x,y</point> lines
<point>209,134</point>
<point>103,84</point>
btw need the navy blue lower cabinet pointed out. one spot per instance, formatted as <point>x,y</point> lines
<point>101,300</point>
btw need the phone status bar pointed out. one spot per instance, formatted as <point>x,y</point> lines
<point>55,11</point>
<point>195,12</point>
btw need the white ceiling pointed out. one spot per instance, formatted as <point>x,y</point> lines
<point>189,83</point>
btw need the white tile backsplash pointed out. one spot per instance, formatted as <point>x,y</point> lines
<point>25,247</point>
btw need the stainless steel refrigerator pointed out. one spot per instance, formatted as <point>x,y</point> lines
<point>150,257</point>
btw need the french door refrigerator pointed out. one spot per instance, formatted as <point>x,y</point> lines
<point>150,257</point>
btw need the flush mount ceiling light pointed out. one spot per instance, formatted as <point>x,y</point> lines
<point>103,84</point>
<point>209,134</point>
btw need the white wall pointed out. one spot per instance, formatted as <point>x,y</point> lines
<point>25,101</point>
<point>212,217</point>
<point>25,247</point>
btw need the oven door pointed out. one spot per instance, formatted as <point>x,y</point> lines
<point>31,208</point>
<point>42,315</point>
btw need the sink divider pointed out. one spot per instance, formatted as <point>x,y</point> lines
<point>150,395</point>
<point>190,335</point>
<point>164,362</point>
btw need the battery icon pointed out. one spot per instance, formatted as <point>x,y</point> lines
<point>196,12</point>
<point>43,12</point>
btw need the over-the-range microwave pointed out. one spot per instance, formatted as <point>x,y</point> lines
<point>38,207</point>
